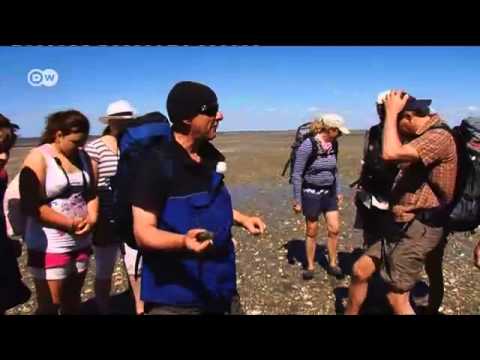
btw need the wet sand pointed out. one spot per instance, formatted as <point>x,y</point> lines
<point>270,266</point>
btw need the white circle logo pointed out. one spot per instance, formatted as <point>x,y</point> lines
<point>47,77</point>
<point>35,77</point>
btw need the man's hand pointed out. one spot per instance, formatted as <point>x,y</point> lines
<point>254,225</point>
<point>394,103</point>
<point>476,255</point>
<point>193,244</point>
<point>405,212</point>
<point>340,200</point>
<point>297,208</point>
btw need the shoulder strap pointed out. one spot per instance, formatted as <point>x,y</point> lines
<point>313,153</point>
<point>366,143</point>
<point>87,165</point>
<point>442,126</point>
<point>445,127</point>
<point>315,148</point>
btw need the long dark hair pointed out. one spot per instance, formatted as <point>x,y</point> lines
<point>68,122</point>
<point>8,135</point>
<point>107,131</point>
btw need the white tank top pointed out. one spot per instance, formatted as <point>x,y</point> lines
<point>41,238</point>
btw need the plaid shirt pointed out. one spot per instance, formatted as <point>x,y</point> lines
<point>438,166</point>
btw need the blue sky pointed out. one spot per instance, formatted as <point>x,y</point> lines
<point>259,88</point>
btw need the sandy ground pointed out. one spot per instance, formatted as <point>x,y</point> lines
<point>270,266</point>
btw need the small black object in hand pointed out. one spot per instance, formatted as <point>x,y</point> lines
<point>204,236</point>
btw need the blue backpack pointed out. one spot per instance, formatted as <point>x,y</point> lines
<point>135,141</point>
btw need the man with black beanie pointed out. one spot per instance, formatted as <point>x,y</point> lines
<point>183,213</point>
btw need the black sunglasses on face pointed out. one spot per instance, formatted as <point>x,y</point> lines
<point>209,110</point>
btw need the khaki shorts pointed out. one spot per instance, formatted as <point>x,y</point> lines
<point>403,256</point>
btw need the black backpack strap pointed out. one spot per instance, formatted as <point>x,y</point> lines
<point>87,190</point>
<point>312,156</point>
<point>335,147</point>
<point>366,144</point>
<point>287,164</point>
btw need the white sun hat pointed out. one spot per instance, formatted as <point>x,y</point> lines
<point>382,96</point>
<point>120,109</point>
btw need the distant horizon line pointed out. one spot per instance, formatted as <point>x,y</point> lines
<point>219,132</point>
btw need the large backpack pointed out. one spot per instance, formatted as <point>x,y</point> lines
<point>136,140</point>
<point>303,132</point>
<point>464,212</point>
<point>377,175</point>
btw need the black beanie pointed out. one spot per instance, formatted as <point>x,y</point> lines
<point>186,98</point>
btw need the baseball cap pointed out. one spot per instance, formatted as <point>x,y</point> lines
<point>412,104</point>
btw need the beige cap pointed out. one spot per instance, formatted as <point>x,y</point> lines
<point>334,121</point>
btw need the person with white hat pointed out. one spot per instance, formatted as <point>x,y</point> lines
<point>316,187</point>
<point>105,155</point>
<point>421,196</point>
<point>373,188</point>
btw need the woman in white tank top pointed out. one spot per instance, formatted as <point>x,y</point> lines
<point>62,208</point>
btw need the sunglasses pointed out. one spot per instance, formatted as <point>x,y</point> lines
<point>209,110</point>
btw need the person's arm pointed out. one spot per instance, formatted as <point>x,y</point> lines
<point>149,237</point>
<point>338,187</point>
<point>476,255</point>
<point>254,225</point>
<point>92,199</point>
<point>150,190</point>
<point>32,194</point>
<point>392,149</point>
<point>302,155</point>
<point>338,183</point>
<point>93,204</point>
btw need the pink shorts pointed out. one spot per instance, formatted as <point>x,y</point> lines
<point>51,266</point>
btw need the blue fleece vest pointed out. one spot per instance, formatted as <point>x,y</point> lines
<point>188,280</point>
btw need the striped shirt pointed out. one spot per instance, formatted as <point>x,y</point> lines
<point>106,159</point>
<point>322,172</point>
<point>107,163</point>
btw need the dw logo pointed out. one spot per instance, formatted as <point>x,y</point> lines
<point>47,77</point>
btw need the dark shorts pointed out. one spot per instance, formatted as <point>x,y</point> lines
<point>314,204</point>
<point>375,224</point>
<point>403,253</point>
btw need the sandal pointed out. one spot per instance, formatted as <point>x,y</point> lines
<point>308,274</point>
